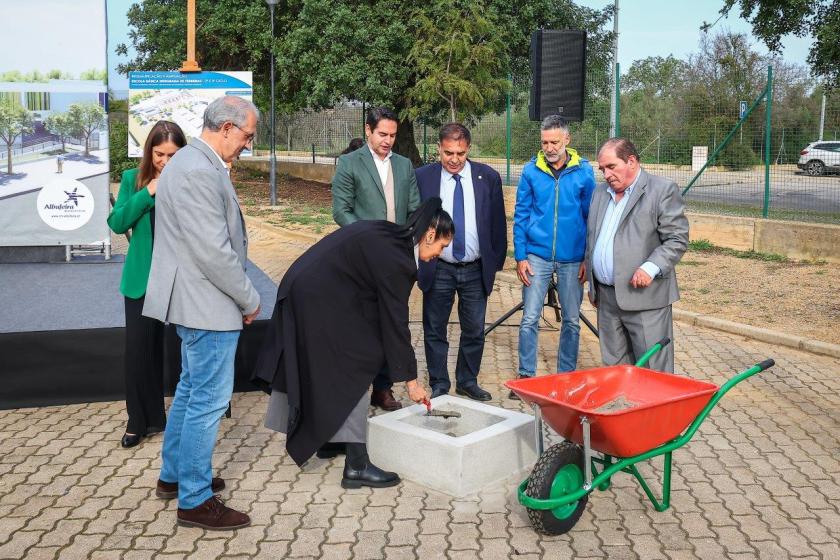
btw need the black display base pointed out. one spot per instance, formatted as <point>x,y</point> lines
<point>47,368</point>
<point>52,253</point>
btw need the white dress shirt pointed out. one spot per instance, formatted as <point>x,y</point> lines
<point>447,195</point>
<point>602,255</point>
<point>382,165</point>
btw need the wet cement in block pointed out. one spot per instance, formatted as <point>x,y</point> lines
<point>471,420</point>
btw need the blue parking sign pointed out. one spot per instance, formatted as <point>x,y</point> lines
<point>742,109</point>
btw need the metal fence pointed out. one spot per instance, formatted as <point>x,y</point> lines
<point>669,142</point>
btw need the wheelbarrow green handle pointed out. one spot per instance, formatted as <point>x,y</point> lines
<point>603,476</point>
<point>652,350</point>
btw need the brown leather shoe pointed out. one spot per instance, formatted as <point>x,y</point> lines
<point>213,515</point>
<point>385,400</point>
<point>169,490</point>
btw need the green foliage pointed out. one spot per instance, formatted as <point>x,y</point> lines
<point>14,121</point>
<point>118,147</point>
<point>94,74</point>
<point>772,19</point>
<point>62,126</point>
<point>737,156</point>
<point>85,119</point>
<point>706,246</point>
<point>329,52</point>
<point>459,59</point>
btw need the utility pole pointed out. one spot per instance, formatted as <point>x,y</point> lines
<point>190,65</point>
<point>614,96</point>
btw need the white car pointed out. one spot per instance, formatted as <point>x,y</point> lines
<point>819,157</point>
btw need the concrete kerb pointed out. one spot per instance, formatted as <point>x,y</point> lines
<point>689,317</point>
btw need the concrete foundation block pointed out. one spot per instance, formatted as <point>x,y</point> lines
<point>457,456</point>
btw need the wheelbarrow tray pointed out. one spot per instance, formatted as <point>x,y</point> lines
<point>630,409</point>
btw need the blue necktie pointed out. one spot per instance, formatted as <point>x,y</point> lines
<point>459,244</point>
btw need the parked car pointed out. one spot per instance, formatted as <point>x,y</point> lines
<point>819,157</point>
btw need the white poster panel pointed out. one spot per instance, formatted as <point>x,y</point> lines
<point>53,124</point>
<point>177,97</point>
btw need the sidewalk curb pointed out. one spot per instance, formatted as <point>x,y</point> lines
<point>756,333</point>
<point>260,223</point>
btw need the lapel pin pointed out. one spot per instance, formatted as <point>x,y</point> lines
<point>479,176</point>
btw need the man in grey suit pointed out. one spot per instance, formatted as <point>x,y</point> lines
<point>636,234</point>
<point>197,282</point>
<point>374,183</point>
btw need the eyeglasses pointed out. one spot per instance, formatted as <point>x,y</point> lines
<point>248,137</point>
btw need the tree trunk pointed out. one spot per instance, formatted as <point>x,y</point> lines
<point>405,145</point>
<point>87,145</point>
<point>9,159</point>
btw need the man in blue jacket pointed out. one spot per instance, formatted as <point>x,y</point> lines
<point>549,237</point>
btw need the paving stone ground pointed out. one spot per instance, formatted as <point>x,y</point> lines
<point>761,479</point>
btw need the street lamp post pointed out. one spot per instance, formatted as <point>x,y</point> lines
<point>273,144</point>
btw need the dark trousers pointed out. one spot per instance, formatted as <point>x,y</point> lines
<point>382,381</point>
<point>465,280</point>
<point>143,370</point>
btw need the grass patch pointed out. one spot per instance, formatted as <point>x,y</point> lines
<point>691,263</point>
<point>706,246</point>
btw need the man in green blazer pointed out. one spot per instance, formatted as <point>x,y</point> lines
<point>374,183</point>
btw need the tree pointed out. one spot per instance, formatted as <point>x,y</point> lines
<point>328,53</point>
<point>94,74</point>
<point>459,58</point>
<point>773,19</point>
<point>86,118</point>
<point>14,121</point>
<point>62,126</point>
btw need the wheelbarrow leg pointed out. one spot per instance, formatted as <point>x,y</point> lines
<point>587,453</point>
<point>538,429</point>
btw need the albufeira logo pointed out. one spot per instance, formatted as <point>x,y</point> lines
<point>65,204</point>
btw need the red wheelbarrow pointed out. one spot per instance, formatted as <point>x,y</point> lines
<point>612,418</point>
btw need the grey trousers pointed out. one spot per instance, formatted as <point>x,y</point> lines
<point>626,335</point>
<point>354,429</point>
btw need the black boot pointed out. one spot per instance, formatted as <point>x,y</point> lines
<point>358,470</point>
<point>330,449</point>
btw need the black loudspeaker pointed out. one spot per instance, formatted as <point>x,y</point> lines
<point>558,70</point>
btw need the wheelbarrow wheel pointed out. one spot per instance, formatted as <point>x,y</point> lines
<point>559,471</point>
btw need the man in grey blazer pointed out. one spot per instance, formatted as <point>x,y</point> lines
<point>374,183</point>
<point>636,234</point>
<point>197,282</point>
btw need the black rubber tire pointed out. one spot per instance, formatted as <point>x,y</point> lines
<point>815,168</point>
<point>540,483</point>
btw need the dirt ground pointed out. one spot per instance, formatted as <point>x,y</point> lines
<point>777,294</point>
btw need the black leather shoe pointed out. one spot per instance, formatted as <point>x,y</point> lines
<point>330,450</point>
<point>474,392</point>
<point>439,392</point>
<point>371,476</point>
<point>130,440</point>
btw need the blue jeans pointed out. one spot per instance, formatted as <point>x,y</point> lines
<point>201,398</point>
<point>570,296</point>
<point>437,307</point>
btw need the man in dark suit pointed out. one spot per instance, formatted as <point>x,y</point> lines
<point>374,183</point>
<point>636,235</point>
<point>472,194</point>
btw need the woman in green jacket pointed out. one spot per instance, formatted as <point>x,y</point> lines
<point>135,211</point>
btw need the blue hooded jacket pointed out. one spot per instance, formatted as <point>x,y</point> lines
<point>550,216</point>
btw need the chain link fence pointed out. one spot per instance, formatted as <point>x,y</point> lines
<point>675,139</point>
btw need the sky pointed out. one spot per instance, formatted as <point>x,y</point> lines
<point>646,28</point>
<point>662,27</point>
<point>34,35</point>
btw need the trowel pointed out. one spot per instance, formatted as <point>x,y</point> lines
<point>440,413</point>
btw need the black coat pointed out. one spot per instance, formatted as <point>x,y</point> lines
<point>341,315</point>
<point>489,216</point>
